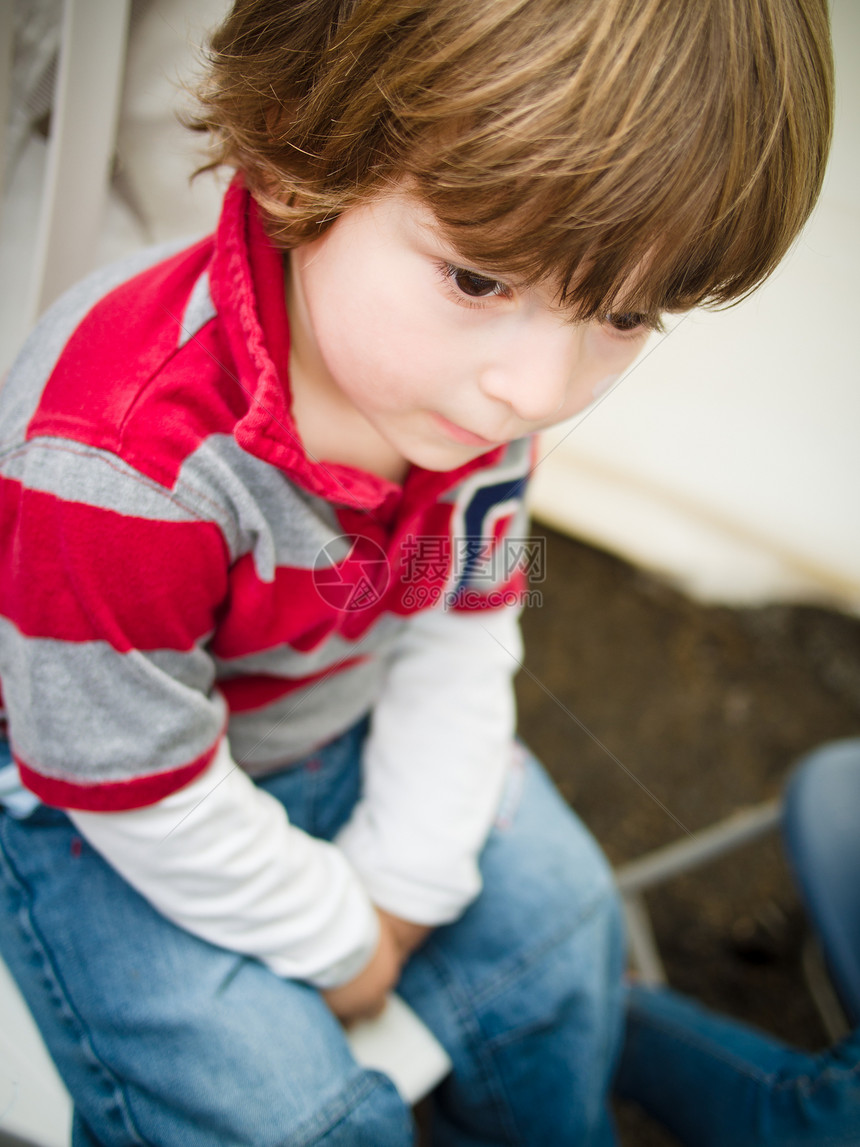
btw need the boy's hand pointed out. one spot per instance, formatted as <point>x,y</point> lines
<point>409,936</point>
<point>363,997</point>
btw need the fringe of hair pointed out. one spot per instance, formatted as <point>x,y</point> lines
<point>648,155</point>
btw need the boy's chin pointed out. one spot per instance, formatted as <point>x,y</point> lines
<point>446,457</point>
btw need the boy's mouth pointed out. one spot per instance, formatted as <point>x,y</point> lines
<point>460,434</point>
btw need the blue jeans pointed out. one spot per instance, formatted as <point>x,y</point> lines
<point>164,1039</point>
<point>715,1082</point>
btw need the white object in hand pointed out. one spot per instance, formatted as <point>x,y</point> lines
<point>398,1044</point>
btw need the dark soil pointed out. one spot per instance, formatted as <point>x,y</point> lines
<point>706,709</point>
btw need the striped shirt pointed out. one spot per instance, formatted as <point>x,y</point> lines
<point>175,568</point>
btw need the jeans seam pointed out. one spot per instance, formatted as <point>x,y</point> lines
<point>585,918</point>
<point>516,970</point>
<point>771,1079</point>
<point>57,994</point>
<point>811,1083</point>
<point>703,1043</point>
<point>323,1122</point>
<point>466,1018</point>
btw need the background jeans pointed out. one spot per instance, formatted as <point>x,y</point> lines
<point>165,1039</point>
<point>715,1082</point>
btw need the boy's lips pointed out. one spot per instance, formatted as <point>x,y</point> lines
<point>460,434</point>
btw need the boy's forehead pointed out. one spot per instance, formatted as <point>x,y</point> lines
<point>400,204</point>
<point>398,214</point>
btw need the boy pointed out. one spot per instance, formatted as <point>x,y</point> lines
<point>259,501</point>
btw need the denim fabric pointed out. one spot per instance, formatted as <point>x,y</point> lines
<point>715,1082</point>
<point>165,1039</point>
<point>14,798</point>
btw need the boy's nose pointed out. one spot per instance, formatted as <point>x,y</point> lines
<point>533,377</point>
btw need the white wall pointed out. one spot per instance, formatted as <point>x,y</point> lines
<point>151,199</point>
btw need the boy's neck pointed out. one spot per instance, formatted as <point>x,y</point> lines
<point>330,427</point>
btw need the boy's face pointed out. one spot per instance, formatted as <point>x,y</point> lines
<point>440,362</point>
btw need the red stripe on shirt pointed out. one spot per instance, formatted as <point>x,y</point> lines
<point>246,694</point>
<point>112,796</point>
<point>124,384</point>
<point>131,582</point>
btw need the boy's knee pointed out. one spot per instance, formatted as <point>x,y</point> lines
<point>562,874</point>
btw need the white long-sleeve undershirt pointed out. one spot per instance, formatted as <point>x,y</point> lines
<point>435,763</point>
<point>220,858</point>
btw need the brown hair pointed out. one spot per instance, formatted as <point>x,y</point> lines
<point>642,154</point>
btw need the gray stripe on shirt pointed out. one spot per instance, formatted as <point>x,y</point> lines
<point>99,715</point>
<point>283,661</point>
<point>78,473</point>
<point>259,509</point>
<point>288,729</point>
<point>199,310</point>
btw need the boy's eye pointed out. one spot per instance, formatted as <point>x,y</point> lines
<point>474,285</point>
<point>626,322</point>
